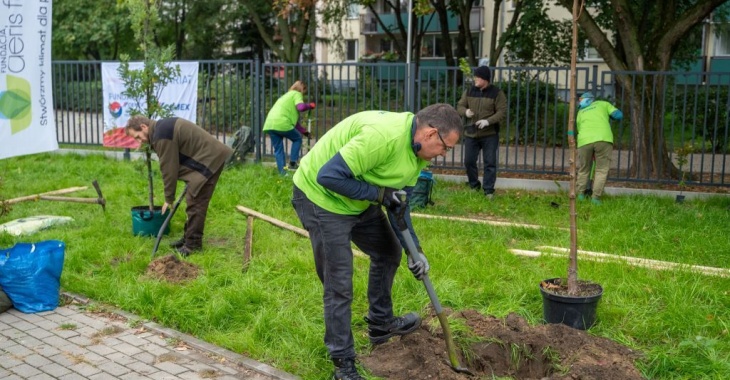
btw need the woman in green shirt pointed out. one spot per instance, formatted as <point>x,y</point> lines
<point>283,122</point>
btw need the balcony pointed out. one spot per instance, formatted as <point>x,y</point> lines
<point>370,26</point>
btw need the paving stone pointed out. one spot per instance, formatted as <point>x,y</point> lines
<point>84,369</point>
<point>54,369</point>
<point>36,360</point>
<point>25,370</point>
<point>170,367</point>
<point>42,376</point>
<point>39,333</point>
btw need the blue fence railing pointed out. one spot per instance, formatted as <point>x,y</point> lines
<point>689,112</point>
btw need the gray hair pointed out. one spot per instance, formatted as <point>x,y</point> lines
<point>441,116</point>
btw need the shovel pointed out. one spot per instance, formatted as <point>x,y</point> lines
<point>412,252</point>
<point>167,220</point>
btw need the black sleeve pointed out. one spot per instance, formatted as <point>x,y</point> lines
<point>336,176</point>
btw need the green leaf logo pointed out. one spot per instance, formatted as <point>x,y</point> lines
<point>15,103</point>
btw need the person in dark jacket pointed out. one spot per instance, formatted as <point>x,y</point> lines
<point>188,153</point>
<point>485,107</point>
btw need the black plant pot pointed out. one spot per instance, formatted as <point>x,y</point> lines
<point>578,312</point>
<point>679,199</point>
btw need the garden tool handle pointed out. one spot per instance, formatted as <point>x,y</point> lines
<point>411,249</point>
<point>167,220</point>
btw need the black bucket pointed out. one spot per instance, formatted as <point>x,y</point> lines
<point>576,312</point>
<point>148,223</point>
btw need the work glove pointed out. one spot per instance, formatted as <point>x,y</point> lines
<point>388,197</point>
<point>469,113</point>
<point>419,268</point>
<point>312,105</point>
<point>307,134</point>
<point>482,123</point>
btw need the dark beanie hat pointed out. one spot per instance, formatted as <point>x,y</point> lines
<point>483,72</point>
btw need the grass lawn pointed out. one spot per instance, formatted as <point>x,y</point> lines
<point>273,311</point>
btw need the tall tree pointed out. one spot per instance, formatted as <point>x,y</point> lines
<point>97,30</point>
<point>647,36</point>
<point>284,25</point>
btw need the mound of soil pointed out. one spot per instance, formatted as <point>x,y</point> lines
<point>170,268</point>
<point>503,347</point>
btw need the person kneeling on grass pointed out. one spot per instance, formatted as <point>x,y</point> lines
<point>354,169</point>
<point>188,153</point>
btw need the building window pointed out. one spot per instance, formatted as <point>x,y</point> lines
<point>351,50</point>
<point>590,53</point>
<point>722,42</point>
<point>353,11</point>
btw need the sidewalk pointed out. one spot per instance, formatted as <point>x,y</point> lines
<point>70,343</point>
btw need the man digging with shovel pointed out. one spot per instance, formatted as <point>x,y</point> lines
<point>188,153</point>
<point>354,169</point>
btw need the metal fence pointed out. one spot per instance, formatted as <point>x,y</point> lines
<point>231,94</point>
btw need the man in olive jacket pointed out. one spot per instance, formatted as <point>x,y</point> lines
<point>188,153</point>
<point>485,107</point>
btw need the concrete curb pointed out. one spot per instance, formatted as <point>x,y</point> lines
<point>194,342</point>
<point>558,186</point>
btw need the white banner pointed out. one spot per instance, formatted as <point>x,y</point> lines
<point>27,125</point>
<point>182,92</point>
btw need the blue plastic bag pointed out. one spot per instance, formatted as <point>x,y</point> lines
<point>30,274</point>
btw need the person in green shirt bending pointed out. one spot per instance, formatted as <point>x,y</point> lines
<point>355,168</point>
<point>282,122</point>
<point>595,139</point>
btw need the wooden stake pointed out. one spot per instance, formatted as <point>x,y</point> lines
<point>284,225</point>
<point>485,221</point>
<point>36,197</point>
<point>248,243</point>
<point>634,261</point>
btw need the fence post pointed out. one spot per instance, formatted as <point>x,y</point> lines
<point>257,79</point>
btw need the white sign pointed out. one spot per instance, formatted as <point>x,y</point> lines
<point>182,92</point>
<point>27,125</point>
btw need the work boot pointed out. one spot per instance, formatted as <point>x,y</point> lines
<point>490,196</point>
<point>186,251</point>
<point>596,201</point>
<point>381,332</point>
<point>345,370</point>
<point>293,166</point>
<point>178,243</point>
<point>581,197</point>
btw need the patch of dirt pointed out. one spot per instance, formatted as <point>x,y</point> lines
<point>503,347</point>
<point>170,268</point>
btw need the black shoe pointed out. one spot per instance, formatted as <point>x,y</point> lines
<point>380,333</point>
<point>186,251</point>
<point>178,243</point>
<point>476,187</point>
<point>345,370</point>
<point>293,165</point>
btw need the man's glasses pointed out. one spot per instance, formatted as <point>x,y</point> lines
<point>446,147</point>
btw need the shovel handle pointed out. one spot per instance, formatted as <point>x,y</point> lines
<point>167,220</point>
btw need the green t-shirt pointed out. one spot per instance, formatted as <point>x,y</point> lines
<point>593,123</point>
<point>376,145</point>
<point>284,115</point>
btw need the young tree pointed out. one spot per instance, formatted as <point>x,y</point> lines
<point>144,87</point>
<point>647,36</point>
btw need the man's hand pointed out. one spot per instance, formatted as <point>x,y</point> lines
<point>482,123</point>
<point>307,134</point>
<point>469,113</point>
<point>164,207</point>
<point>388,197</point>
<point>419,268</point>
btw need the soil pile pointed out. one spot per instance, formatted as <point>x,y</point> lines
<point>503,347</point>
<point>170,268</point>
